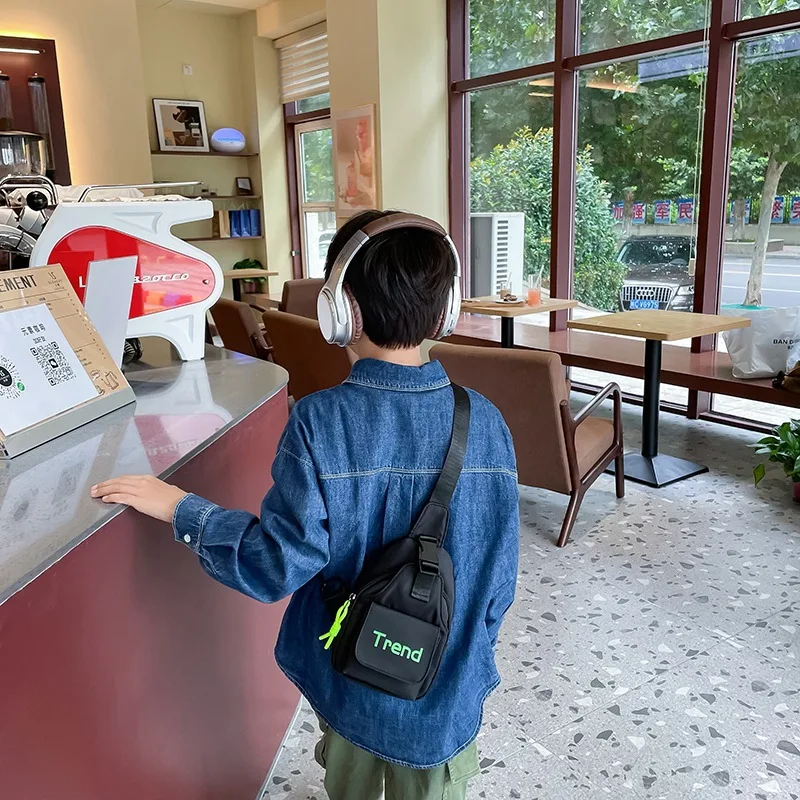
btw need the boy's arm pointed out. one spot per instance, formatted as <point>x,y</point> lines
<point>266,558</point>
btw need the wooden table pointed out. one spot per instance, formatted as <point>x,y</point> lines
<point>492,307</point>
<point>236,275</point>
<point>650,467</point>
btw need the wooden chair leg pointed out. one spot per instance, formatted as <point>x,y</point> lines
<point>619,468</point>
<point>575,500</point>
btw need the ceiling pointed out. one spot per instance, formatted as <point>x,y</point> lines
<point>207,6</point>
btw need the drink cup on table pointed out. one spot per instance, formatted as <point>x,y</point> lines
<point>533,285</point>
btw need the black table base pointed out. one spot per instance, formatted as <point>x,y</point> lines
<point>506,331</point>
<point>649,467</point>
<point>659,470</point>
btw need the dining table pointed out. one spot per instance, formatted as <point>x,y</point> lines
<point>650,467</point>
<point>509,312</point>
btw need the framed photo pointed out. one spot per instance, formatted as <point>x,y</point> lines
<point>181,126</point>
<point>354,163</point>
<point>244,187</point>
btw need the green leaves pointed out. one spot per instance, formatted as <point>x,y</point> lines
<point>782,447</point>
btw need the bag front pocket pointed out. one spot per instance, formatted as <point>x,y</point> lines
<point>396,644</point>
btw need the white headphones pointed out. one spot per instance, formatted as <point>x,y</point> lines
<point>337,310</point>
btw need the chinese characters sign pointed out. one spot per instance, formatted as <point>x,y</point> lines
<point>662,212</point>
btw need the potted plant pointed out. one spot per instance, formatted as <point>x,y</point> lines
<point>254,285</point>
<point>782,447</point>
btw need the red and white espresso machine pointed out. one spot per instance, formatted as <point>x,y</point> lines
<point>175,283</point>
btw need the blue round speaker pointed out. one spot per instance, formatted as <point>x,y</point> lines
<point>228,140</point>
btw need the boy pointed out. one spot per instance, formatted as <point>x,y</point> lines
<point>354,467</point>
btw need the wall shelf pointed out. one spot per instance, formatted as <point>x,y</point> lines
<point>221,238</point>
<point>211,153</point>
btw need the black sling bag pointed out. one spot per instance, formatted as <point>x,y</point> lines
<point>391,632</point>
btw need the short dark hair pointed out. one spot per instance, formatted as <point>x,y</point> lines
<point>400,280</point>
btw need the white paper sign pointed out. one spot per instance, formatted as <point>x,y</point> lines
<point>40,375</point>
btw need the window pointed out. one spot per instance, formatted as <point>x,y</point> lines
<point>314,149</point>
<point>616,126</point>
<point>511,166</point>
<point>639,149</point>
<point>510,34</point>
<point>606,24</point>
<point>315,103</point>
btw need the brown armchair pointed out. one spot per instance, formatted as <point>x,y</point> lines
<point>300,297</point>
<point>239,328</point>
<point>298,346</point>
<point>555,450</point>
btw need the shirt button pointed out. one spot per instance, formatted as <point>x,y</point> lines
<point>187,538</point>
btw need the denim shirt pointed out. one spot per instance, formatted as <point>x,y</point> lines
<point>354,468</point>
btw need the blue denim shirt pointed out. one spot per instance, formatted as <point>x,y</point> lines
<point>354,468</point>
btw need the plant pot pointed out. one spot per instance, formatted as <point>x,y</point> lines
<point>796,491</point>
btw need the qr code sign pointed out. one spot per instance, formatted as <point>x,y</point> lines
<point>52,361</point>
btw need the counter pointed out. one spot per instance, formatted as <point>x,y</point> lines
<point>125,671</point>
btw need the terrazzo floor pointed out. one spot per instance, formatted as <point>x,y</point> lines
<point>654,657</point>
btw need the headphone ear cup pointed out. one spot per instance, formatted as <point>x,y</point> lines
<point>358,320</point>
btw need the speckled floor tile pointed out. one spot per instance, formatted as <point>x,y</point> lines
<point>572,642</point>
<point>776,638</point>
<point>724,724</point>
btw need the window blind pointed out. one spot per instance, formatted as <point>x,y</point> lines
<point>304,63</point>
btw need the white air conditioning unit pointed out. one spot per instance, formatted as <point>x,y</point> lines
<point>496,252</point>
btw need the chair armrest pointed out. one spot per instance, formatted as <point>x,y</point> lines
<point>612,390</point>
<point>260,345</point>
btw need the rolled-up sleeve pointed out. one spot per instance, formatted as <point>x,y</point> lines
<point>270,556</point>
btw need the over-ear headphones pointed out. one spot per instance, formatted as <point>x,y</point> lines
<point>337,310</point>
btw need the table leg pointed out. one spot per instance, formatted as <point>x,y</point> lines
<point>237,289</point>
<point>506,331</point>
<point>649,467</point>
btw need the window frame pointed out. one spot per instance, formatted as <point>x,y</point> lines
<point>726,29</point>
<point>291,120</point>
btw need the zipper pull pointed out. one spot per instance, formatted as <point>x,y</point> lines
<point>337,623</point>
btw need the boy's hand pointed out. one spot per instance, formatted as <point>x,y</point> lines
<point>145,493</point>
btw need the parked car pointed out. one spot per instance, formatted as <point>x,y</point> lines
<point>658,273</point>
<point>325,240</point>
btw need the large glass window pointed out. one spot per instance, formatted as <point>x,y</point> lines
<point>314,146</point>
<point>511,167</point>
<point>611,23</point>
<point>639,143</point>
<point>760,8</point>
<point>637,127</point>
<point>510,34</point>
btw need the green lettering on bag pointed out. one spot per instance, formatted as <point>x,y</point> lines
<point>397,648</point>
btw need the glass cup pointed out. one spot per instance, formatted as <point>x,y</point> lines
<point>505,288</point>
<point>533,285</point>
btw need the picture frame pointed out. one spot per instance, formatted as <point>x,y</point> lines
<point>181,126</point>
<point>355,176</point>
<point>244,187</point>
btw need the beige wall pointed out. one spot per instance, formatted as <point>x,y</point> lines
<point>394,55</point>
<point>99,63</point>
<point>281,17</point>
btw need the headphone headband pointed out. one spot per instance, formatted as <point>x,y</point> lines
<point>338,312</point>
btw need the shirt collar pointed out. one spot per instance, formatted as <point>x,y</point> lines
<point>394,377</point>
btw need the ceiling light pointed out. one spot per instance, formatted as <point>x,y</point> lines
<point>20,50</point>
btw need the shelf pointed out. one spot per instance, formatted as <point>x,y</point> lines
<point>209,153</point>
<point>221,238</point>
<point>231,197</point>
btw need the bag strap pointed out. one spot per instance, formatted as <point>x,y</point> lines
<point>431,527</point>
<point>454,463</point>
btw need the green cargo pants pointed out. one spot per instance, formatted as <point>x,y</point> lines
<point>354,774</point>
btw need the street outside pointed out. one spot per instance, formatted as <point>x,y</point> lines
<point>781,284</point>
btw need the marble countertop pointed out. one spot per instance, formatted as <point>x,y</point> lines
<point>181,408</point>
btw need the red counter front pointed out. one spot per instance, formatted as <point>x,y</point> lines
<point>128,674</point>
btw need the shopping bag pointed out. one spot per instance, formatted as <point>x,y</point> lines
<point>761,350</point>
